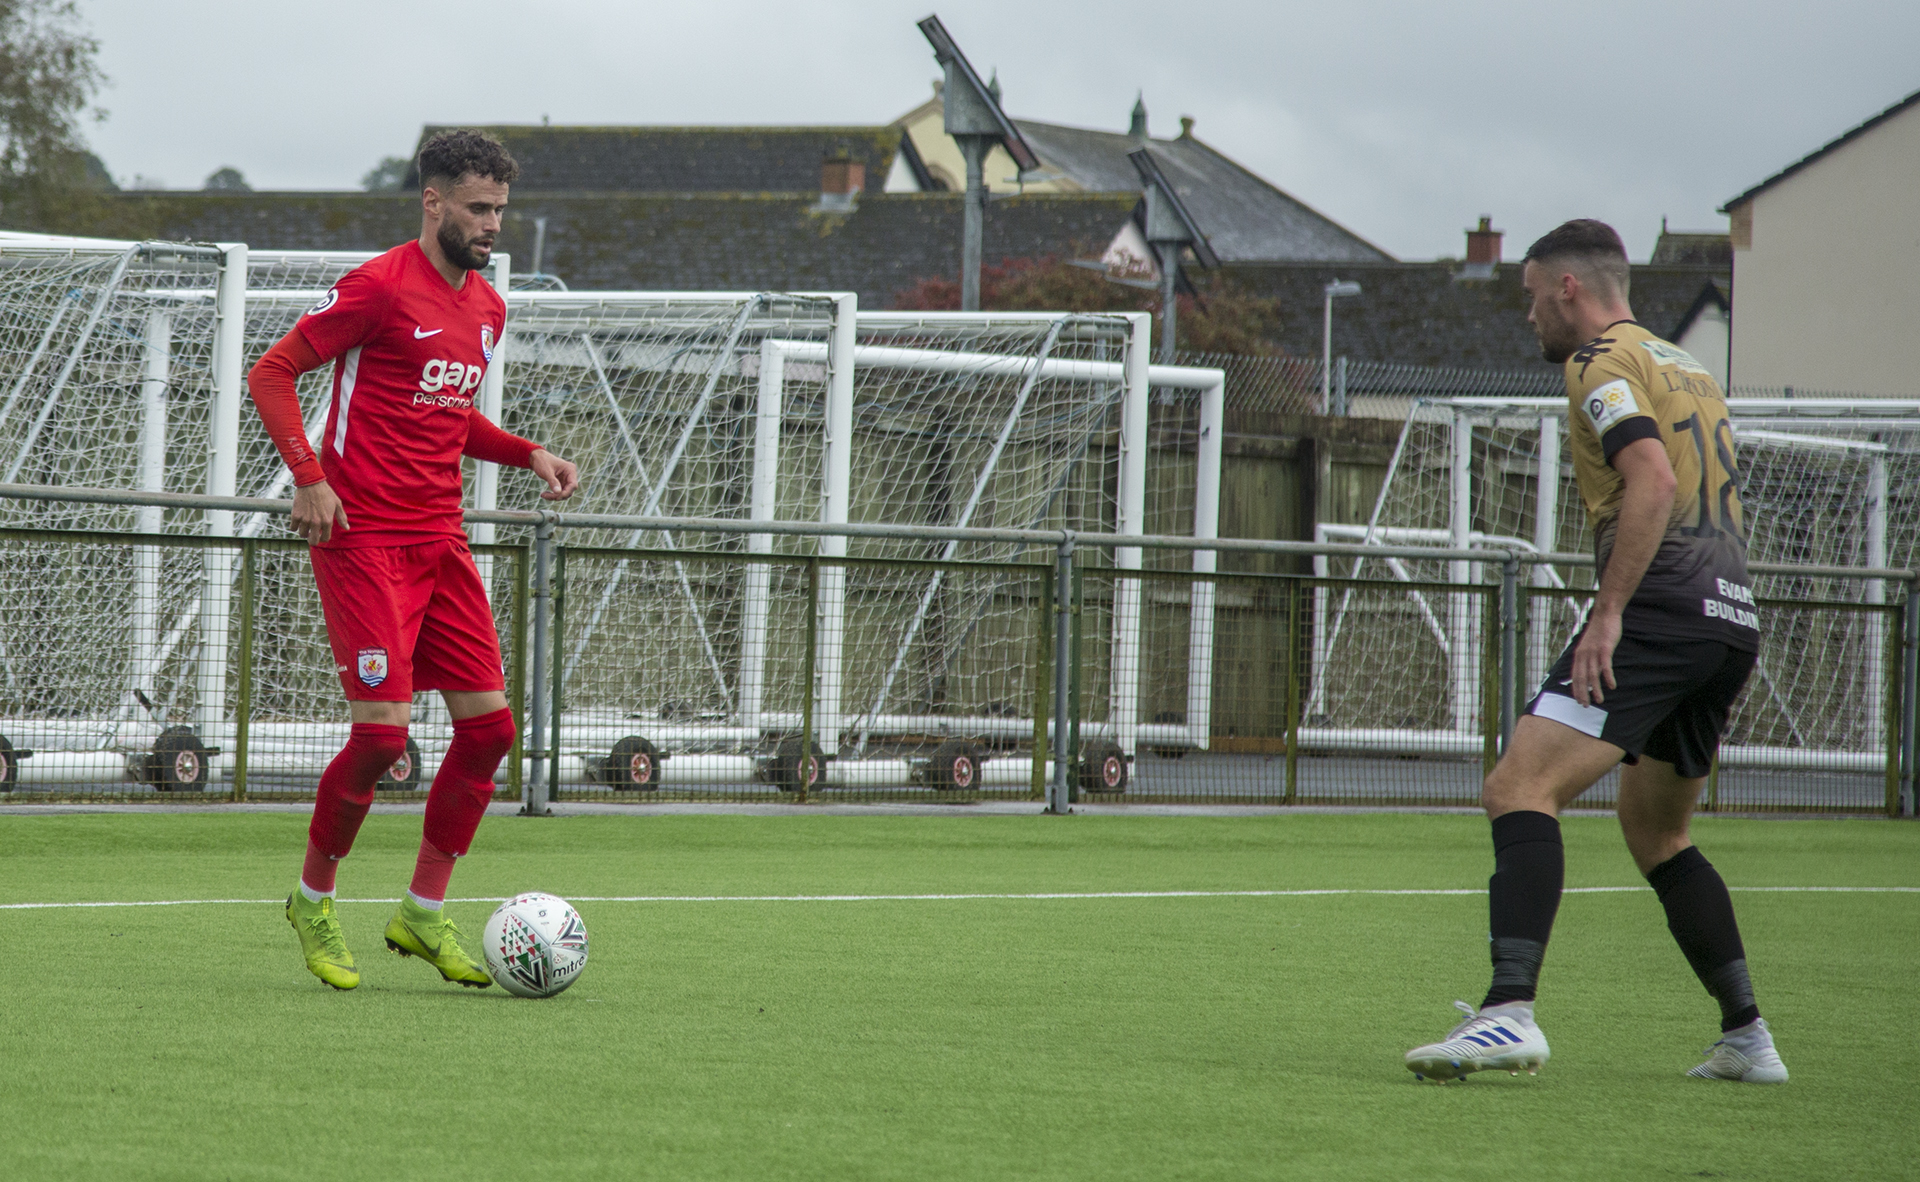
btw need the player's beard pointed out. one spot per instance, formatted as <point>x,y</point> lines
<point>1558,338</point>
<point>459,250</point>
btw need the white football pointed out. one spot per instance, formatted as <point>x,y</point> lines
<point>535,945</point>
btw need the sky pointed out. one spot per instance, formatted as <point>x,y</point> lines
<point>1404,122</point>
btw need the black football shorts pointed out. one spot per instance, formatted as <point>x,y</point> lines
<point>1671,700</point>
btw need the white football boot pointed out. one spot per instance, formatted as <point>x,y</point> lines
<point>1500,1038</point>
<point>1745,1055</point>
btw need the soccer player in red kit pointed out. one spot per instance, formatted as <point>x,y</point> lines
<point>409,334</point>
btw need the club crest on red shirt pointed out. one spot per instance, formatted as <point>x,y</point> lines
<point>486,341</point>
<point>371,665</point>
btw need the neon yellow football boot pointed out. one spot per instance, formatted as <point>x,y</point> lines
<point>319,931</point>
<point>431,936</point>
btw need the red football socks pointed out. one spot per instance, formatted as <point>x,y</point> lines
<point>316,874</point>
<point>346,789</point>
<point>431,872</point>
<point>464,783</point>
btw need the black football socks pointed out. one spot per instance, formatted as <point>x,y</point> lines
<point>1529,869</point>
<point>1700,916</point>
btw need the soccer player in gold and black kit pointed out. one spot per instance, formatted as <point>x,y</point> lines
<point>1651,678</point>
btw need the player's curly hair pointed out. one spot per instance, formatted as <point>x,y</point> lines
<point>462,151</point>
<point>1593,246</point>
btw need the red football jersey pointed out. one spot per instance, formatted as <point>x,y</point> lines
<point>409,352</point>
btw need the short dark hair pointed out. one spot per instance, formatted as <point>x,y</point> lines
<point>462,151</point>
<point>1593,246</point>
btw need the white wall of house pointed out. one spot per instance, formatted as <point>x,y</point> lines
<point>1707,339</point>
<point>1824,266</point>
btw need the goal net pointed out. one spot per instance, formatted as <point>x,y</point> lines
<point>1821,484</point>
<point>749,406</point>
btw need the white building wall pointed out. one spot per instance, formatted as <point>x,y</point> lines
<point>1707,339</point>
<point>1823,270</point>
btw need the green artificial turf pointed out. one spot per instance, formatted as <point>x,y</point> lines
<point>1151,1038</point>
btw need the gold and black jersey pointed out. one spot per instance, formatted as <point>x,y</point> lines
<point>1626,385</point>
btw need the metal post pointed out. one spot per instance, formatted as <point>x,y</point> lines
<point>535,800</point>
<point>1546,535</point>
<point>1509,645</point>
<point>1909,698</point>
<point>804,773</point>
<point>516,769</point>
<point>1340,386</point>
<point>974,148</point>
<point>1326,351</point>
<point>1490,711</point>
<point>1042,682</point>
<point>243,696</point>
<point>1062,583</point>
<point>1169,303</point>
<point>1202,599</point>
<point>557,630</point>
<point>1123,707</point>
<point>150,519</point>
<point>1889,702</point>
<point>1293,691</point>
<point>764,504</point>
<point>1075,653</point>
<point>223,460</point>
<point>1463,651</point>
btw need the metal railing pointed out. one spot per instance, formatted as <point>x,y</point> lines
<point>722,674</point>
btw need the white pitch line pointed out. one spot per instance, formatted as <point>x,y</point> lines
<point>1602,890</point>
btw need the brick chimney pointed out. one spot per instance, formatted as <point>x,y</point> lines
<point>1483,244</point>
<point>841,182</point>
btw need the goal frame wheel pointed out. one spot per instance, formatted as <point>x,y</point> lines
<point>1104,768</point>
<point>632,764</point>
<point>179,761</point>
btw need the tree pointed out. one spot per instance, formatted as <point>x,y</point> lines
<point>1223,320</point>
<point>388,175</point>
<point>227,180</point>
<point>48,77</point>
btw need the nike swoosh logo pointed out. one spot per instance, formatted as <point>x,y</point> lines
<point>1568,681</point>
<point>421,336</point>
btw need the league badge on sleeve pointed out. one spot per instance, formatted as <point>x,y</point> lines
<point>1609,404</point>
<point>486,341</point>
<point>371,665</point>
<point>326,301</point>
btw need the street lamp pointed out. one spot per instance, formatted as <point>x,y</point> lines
<point>1170,229</point>
<point>1336,290</point>
<point>974,119</point>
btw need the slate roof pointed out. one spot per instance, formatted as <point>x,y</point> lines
<point>657,241</point>
<point>1830,146</point>
<point>1705,248</point>
<point>1244,217</point>
<point>683,159</point>
<point>1421,314</point>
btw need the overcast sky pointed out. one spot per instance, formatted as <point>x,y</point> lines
<point>1403,121</point>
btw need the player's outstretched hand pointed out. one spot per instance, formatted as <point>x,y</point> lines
<point>316,507</point>
<point>561,477</point>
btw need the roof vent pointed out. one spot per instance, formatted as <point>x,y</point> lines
<point>841,180</point>
<point>1137,126</point>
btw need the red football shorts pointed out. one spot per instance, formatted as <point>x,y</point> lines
<point>407,618</point>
